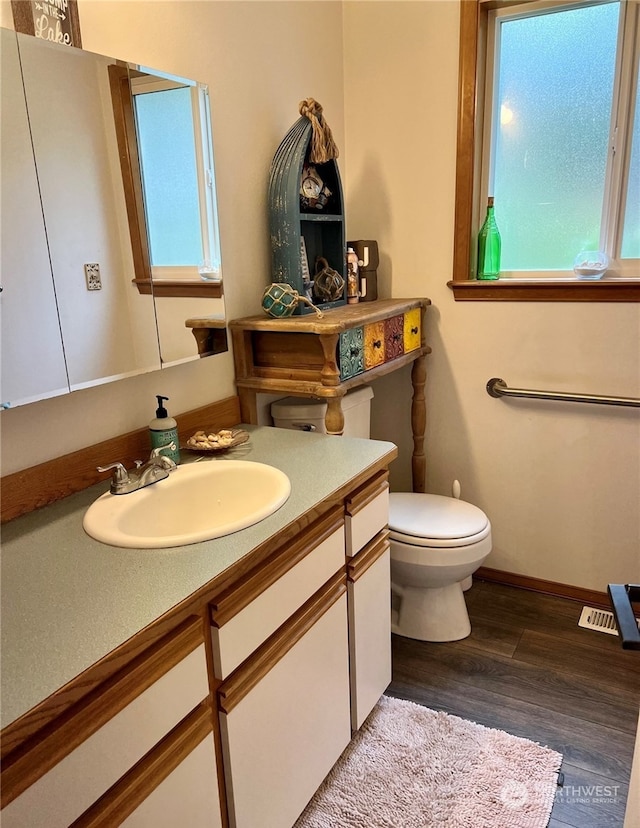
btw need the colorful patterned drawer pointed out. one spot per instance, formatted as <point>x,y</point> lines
<point>412,333</point>
<point>373,344</point>
<point>351,353</point>
<point>393,337</point>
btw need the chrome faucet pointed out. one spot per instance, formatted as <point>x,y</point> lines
<point>156,468</point>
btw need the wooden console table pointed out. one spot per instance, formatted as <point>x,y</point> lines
<point>306,356</point>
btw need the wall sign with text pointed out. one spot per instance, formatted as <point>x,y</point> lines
<point>54,20</point>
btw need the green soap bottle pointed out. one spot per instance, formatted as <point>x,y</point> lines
<point>163,430</point>
<point>489,246</point>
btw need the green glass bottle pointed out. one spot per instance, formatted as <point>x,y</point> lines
<point>489,246</point>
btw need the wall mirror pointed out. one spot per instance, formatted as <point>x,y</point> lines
<point>76,309</point>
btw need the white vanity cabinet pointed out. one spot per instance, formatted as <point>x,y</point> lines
<point>303,649</point>
<point>369,584</point>
<point>285,717</point>
<point>230,708</point>
<point>280,642</point>
<point>96,762</point>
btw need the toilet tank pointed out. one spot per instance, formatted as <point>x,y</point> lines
<point>308,415</point>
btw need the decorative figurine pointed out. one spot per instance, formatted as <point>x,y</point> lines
<point>328,284</point>
<point>281,300</point>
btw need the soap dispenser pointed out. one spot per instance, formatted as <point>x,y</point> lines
<point>164,429</point>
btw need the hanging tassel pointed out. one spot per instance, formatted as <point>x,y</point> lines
<point>323,147</point>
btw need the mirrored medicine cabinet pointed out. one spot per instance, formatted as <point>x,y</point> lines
<point>110,266</point>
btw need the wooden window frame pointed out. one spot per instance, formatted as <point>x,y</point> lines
<point>473,25</point>
<point>132,181</point>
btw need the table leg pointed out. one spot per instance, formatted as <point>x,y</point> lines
<point>418,423</point>
<point>334,418</point>
<point>248,405</point>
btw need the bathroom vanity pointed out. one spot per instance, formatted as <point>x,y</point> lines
<point>212,684</point>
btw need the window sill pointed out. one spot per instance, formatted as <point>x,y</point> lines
<point>544,290</point>
<point>209,290</point>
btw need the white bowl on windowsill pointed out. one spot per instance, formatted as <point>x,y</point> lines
<point>590,264</point>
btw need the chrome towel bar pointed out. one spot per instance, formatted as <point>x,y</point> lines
<point>498,388</point>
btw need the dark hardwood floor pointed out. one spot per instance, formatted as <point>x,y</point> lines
<point>528,669</point>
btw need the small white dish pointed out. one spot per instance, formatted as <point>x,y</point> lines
<point>590,264</point>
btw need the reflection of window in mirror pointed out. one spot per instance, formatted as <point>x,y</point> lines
<point>167,163</point>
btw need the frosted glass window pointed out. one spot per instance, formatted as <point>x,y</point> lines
<point>166,139</point>
<point>631,229</point>
<point>552,113</point>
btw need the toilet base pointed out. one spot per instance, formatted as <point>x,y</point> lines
<point>434,614</point>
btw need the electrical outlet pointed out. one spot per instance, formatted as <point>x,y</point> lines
<point>92,275</point>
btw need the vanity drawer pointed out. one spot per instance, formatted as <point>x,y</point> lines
<point>412,333</point>
<point>367,513</point>
<point>72,766</point>
<point>245,616</point>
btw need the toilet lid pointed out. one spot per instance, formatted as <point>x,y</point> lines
<point>434,520</point>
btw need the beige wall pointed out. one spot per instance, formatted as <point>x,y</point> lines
<point>561,484</point>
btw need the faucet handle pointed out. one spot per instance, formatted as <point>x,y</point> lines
<point>120,475</point>
<point>163,460</point>
<point>157,451</point>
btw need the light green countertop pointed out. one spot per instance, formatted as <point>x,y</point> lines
<point>68,600</point>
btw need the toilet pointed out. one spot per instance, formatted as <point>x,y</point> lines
<point>436,544</point>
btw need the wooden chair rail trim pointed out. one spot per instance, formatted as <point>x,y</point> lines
<point>50,746</point>
<point>365,494</point>
<point>29,489</point>
<point>238,597</point>
<point>585,596</point>
<point>238,685</point>
<point>128,793</point>
<point>375,549</point>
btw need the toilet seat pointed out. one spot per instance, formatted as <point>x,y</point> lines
<point>435,521</point>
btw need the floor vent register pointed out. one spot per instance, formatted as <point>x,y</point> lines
<point>597,619</point>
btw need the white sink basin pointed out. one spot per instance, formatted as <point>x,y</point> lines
<point>197,502</point>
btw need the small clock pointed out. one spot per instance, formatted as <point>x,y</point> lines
<point>311,186</point>
<point>313,191</point>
